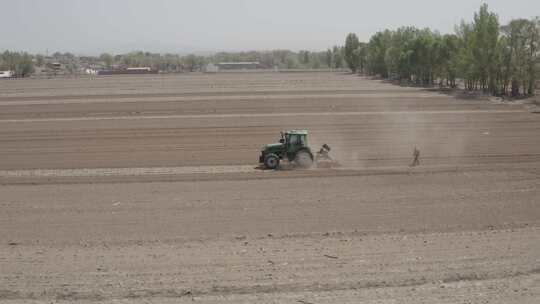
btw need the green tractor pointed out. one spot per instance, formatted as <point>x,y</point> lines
<point>293,147</point>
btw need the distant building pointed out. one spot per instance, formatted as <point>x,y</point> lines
<point>142,69</point>
<point>55,66</point>
<point>6,74</point>
<point>128,71</point>
<point>211,68</point>
<point>246,65</point>
<point>90,71</point>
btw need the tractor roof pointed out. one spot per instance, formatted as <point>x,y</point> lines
<point>300,132</point>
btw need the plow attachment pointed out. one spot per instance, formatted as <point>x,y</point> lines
<point>323,158</point>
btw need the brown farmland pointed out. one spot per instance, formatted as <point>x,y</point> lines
<point>145,189</point>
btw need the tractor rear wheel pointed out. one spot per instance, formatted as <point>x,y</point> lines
<point>304,159</point>
<point>271,161</point>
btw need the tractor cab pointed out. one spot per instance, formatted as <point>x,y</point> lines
<point>293,146</point>
<point>293,142</point>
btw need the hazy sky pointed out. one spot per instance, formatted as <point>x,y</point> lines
<point>181,26</point>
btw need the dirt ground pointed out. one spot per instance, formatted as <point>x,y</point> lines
<point>145,189</point>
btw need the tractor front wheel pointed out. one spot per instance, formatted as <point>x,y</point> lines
<point>271,161</point>
<point>304,159</point>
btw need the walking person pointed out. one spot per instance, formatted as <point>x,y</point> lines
<point>416,157</point>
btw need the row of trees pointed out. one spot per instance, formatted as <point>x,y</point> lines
<point>501,60</point>
<point>20,63</point>
<point>23,64</point>
<point>162,62</point>
<point>335,57</point>
<point>282,59</point>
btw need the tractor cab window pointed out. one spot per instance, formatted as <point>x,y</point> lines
<point>297,140</point>
<point>294,139</point>
<point>303,140</point>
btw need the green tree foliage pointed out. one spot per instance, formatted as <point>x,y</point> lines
<point>449,59</point>
<point>485,30</point>
<point>329,58</point>
<point>485,56</point>
<point>520,47</point>
<point>533,54</point>
<point>283,59</point>
<point>376,53</point>
<point>193,62</point>
<point>361,53</point>
<point>40,60</point>
<point>108,59</point>
<point>337,57</point>
<point>20,63</point>
<point>303,57</point>
<point>351,54</point>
